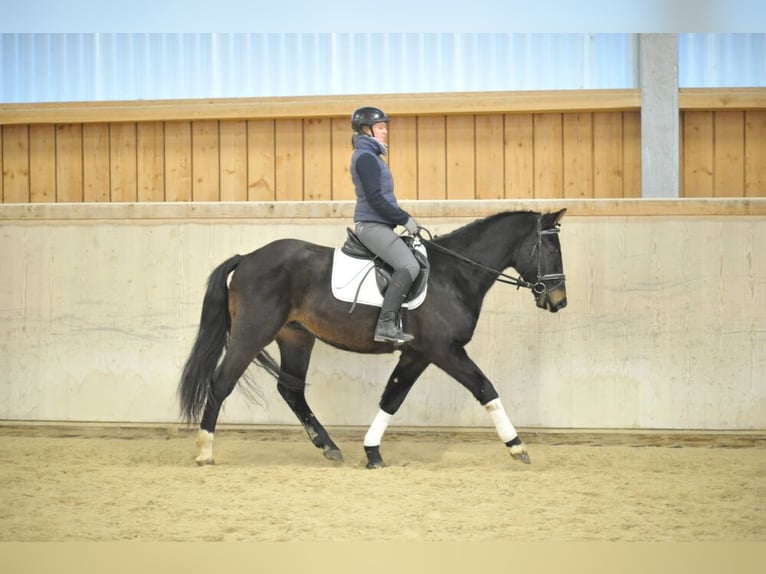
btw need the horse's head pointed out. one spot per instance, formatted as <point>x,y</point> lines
<point>544,269</point>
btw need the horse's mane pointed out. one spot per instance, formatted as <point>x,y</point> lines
<point>475,227</point>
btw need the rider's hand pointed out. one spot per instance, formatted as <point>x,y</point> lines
<point>412,226</point>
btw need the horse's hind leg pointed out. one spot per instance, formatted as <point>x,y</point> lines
<point>246,341</point>
<point>295,346</point>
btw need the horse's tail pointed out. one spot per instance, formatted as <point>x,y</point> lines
<point>211,342</point>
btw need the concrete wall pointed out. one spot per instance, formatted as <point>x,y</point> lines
<point>665,328</point>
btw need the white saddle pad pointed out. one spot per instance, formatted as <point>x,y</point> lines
<point>348,272</point>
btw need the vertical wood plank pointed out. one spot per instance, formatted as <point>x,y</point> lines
<point>206,169</point>
<point>15,163</point>
<point>729,153</point>
<point>261,160</point>
<point>490,157</point>
<point>403,155</point>
<point>631,142</point>
<point>578,155</point>
<point>681,155</point>
<point>150,164</point>
<point>233,136</point>
<point>519,156</point>
<point>317,175</point>
<point>178,161</point>
<point>755,153</point>
<point>95,169</point>
<point>432,159</point>
<point>342,187</point>
<point>2,195</point>
<point>549,172</point>
<point>289,160</point>
<point>42,163</point>
<point>122,161</point>
<point>69,163</point>
<point>150,161</point>
<point>461,164</point>
<point>698,154</point>
<point>607,155</point>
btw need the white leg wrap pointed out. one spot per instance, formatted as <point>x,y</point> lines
<point>205,447</point>
<point>377,428</point>
<point>501,421</point>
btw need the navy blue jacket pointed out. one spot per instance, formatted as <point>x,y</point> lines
<point>374,184</point>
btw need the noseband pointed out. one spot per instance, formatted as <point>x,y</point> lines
<point>538,287</point>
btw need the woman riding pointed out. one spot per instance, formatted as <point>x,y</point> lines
<point>376,215</point>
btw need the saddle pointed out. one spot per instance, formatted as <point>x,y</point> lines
<point>360,276</point>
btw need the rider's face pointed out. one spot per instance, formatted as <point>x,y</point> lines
<point>380,132</point>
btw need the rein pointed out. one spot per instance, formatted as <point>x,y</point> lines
<point>538,287</point>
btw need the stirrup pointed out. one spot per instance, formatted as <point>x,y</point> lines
<point>391,332</point>
<point>399,339</point>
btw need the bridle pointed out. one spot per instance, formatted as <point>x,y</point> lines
<point>538,287</point>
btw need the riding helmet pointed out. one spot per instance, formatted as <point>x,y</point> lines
<point>367,116</point>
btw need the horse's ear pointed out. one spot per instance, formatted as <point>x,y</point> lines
<point>551,220</point>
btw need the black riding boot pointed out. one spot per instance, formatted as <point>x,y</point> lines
<point>388,329</point>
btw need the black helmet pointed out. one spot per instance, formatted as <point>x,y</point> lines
<point>366,117</point>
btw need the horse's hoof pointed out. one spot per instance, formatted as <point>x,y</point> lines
<point>519,452</point>
<point>334,455</point>
<point>204,461</point>
<point>523,457</point>
<point>374,460</point>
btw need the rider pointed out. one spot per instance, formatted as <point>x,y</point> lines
<point>376,215</point>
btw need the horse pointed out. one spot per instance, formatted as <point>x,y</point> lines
<point>281,292</point>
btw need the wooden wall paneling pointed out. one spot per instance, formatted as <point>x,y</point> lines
<point>403,155</point>
<point>549,176</point>
<point>150,161</point>
<point>16,163</point>
<point>519,156</point>
<point>69,163</point>
<point>2,170</point>
<point>697,165</point>
<point>490,157</point>
<point>233,134</point>
<point>432,157</point>
<point>178,161</point>
<point>755,153</point>
<point>631,146</point>
<point>95,169</point>
<point>607,155</point>
<point>317,161</point>
<point>577,138</point>
<point>42,163</point>
<point>341,149</point>
<point>122,162</point>
<point>261,160</point>
<point>288,142</point>
<point>462,176</point>
<point>729,153</point>
<point>206,164</point>
<point>681,155</point>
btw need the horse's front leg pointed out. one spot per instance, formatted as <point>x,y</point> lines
<point>506,431</point>
<point>407,371</point>
<point>459,365</point>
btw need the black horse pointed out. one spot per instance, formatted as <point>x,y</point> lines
<point>282,292</point>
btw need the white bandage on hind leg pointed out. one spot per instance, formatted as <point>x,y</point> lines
<point>501,421</point>
<point>377,428</point>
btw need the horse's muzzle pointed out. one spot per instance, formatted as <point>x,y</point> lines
<point>552,300</point>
